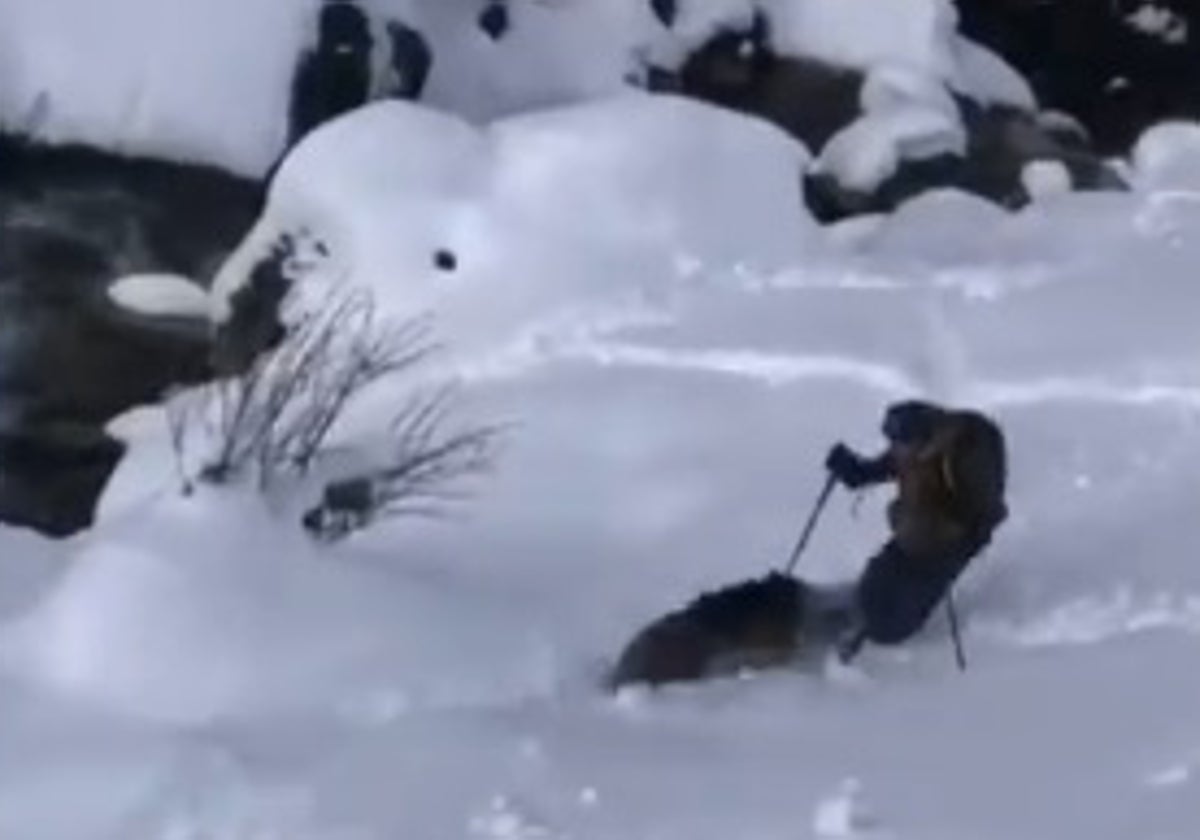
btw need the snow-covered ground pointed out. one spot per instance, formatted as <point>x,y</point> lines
<point>674,345</point>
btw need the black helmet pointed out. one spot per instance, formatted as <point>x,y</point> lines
<point>911,421</point>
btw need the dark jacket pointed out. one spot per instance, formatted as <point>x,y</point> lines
<point>951,485</point>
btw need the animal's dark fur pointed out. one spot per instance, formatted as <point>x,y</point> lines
<point>755,624</point>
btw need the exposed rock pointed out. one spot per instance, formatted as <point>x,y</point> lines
<point>335,75</point>
<point>411,60</point>
<point>666,11</point>
<point>72,220</point>
<point>810,100</point>
<point>254,323</point>
<point>494,19</point>
<point>1002,142</point>
<point>1118,67</point>
<point>50,480</point>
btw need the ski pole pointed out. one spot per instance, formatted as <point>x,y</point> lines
<point>811,524</point>
<point>960,655</point>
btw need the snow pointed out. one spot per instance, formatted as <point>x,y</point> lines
<point>843,816</point>
<point>1167,156</point>
<point>893,87</point>
<point>672,345</point>
<point>161,295</point>
<point>907,115</point>
<point>1043,178</point>
<point>199,82</point>
<point>1159,22</point>
<point>870,150</point>
<point>866,33</point>
<point>149,85</point>
<point>989,79</point>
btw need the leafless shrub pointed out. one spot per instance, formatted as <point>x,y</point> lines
<point>276,415</point>
<point>275,418</point>
<point>427,471</point>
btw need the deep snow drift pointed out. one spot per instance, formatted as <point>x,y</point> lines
<point>674,345</point>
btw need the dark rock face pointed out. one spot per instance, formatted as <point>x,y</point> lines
<point>411,60</point>
<point>335,76</point>
<point>494,20</point>
<point>72,220</point>
<point>254,324</point>
<point>338,73</point>
<point>737,70</point>
<point>665,10</point>
<point>1116,65</point>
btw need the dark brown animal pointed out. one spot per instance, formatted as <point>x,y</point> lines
<point>756,624</point>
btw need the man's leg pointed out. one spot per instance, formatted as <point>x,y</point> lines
<point>896,594</point>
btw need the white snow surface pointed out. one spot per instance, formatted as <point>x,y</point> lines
<point>1167,156</point>
<point>871,149</point>
<point>860,33</point>
<point>1043,178</point>
<point>197,82</point>
<point>210,82</point>
<point>166,295</point>
<point>673,346</point>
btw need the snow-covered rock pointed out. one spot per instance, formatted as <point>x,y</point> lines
<point>1042,178</point>
<point>869,151</point>
<point>1168,157</point>
<point>160,295</point>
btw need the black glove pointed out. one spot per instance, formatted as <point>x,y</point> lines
<point>846,466</point>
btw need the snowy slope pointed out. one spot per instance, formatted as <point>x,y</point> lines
<point>676,345</point>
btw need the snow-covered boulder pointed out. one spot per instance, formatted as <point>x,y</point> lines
<point>870,171</point>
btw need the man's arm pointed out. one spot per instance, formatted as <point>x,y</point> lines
<point>855,471</point>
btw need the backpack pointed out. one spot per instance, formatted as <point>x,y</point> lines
<point>975,472</point>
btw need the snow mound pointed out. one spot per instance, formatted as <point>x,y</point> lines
<point>894,87</point>
<point>140,78</point>
<point>866,33</point>
<point>844,815</point>
<point>160,295</point>
<point>1042,178</point>
<point>167,618</point>
<point>870,150</point>
<point>1167,157</point>
<point>989,79</point>
<point>918,35</point>
<point>526,205</point>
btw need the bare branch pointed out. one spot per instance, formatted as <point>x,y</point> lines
<point>277,416</point>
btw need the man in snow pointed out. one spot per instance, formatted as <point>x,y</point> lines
<point>950,469</point>
<point>951,473</point>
